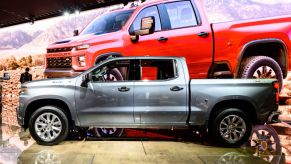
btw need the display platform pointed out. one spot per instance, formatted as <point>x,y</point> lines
<point>136,146</point>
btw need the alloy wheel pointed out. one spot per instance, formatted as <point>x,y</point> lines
<point>232,128</point>
<point>108,131</point>
<point>48,126</point>
<point>264,72</point>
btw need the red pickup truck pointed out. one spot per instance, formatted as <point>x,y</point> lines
<point>242,49</point>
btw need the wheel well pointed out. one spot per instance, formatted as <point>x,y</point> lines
<point>275,50</point>
<point>32,107</point>
<point>222,66</point>
<point>240,104</point>
<point>105,56</point>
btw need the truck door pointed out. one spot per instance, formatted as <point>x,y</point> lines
<point>108,97</point>
<point>160,93</point>
<point>187,36</point>
<point>147,45</point>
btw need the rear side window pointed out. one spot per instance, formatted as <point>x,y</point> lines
<point>147,12</point>
<point>156,69</point>
<point>181,14</point>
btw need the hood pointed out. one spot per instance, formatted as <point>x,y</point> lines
<point>51,82</point>
<point>73,41</point>
<point>86,39</point>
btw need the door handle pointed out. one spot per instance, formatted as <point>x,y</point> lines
<point>162,39</point>
<point>123,89</point>
<point>176,88</point>
<point>203,34</point>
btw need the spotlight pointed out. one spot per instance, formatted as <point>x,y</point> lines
<point>66,14</point>
<point>77,12</point>
<point>31,21</point>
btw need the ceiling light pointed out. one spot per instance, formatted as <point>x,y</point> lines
<point>77,12</point>
<point>66,13</point>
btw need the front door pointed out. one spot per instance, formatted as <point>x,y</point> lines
<point>160,93</point>
<point>147,45</point>
<point>108,97</point>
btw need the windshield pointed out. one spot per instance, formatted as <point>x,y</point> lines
<point>107,23</point>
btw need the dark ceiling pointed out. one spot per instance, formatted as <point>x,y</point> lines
<point>14,12</point>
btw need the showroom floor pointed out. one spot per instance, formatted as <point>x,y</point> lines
<point>16,146</point>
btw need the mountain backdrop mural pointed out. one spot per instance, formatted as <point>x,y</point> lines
<point>25,45</point>
<point>21,42</point>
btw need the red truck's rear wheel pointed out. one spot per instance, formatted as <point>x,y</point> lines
<point>262,67</point>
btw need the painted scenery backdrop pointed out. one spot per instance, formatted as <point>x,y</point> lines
<point>25,45</point>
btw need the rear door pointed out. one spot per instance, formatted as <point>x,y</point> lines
<point>160,93</point>
<point>187,36</point>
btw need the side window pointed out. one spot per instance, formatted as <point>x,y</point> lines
<point>112,71</point>
<point>181,14</point>
<point>157,69</point>
<point>150,11</point>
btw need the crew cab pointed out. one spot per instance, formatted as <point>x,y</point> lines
<point>258,48</point>
<point>146,92</point>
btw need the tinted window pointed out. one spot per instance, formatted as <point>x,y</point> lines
<point>147,12</point>
<point>112,71</point>
<point>181,14</point>
<point>108,23</point>
<point>156,69</point>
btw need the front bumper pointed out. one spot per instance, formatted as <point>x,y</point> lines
<point>53,73</point>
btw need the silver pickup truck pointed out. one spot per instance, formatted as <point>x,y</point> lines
<point>146,92</point>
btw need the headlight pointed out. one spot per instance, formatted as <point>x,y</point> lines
<point>82,47</point>
<point>23,90</point>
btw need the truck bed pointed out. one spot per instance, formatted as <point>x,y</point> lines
<point>207,93</point>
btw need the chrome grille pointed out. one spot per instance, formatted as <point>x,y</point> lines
<point>60,62</point>
<point>65,49</point>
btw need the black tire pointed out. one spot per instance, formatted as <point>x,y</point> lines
<point>253,63</point>
<point>216,125</point>
<point>61,117</point>
<point>108,132</point>
<point>115,73</point>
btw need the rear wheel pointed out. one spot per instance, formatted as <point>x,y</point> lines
<point>261,67</point>
<point>48,125</point>
<point>265,143</point>
<point>230,127</point>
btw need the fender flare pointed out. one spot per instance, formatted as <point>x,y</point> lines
<point>106,55</point>
<point>260,41</point>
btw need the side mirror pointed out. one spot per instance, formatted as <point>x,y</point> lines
<point>6,76</point>
<point>85,80</point>
<point>76,32</point>
<point>147,26</point>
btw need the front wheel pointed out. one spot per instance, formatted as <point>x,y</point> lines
<point>108,132</point>
<point>262,67</point>
<point>48,125</point>
<point>230,127</point>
